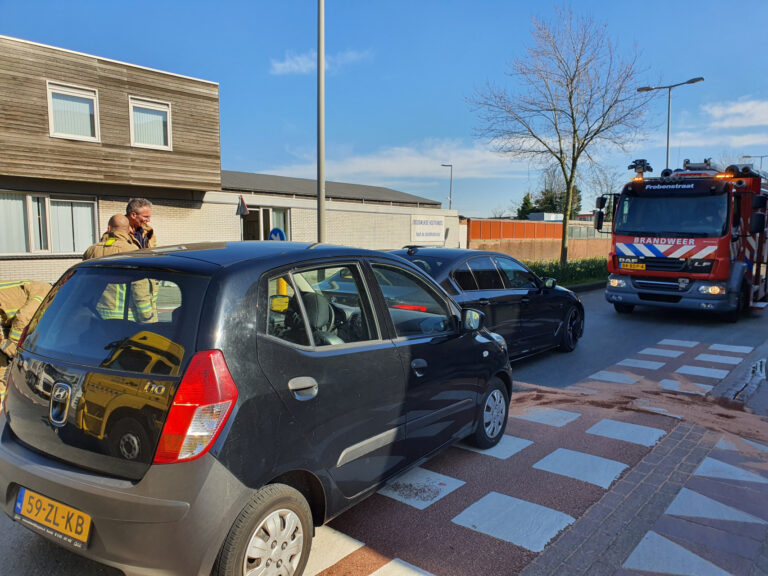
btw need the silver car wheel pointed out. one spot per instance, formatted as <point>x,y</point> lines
<point>275,546</point>
<point>493,414</point>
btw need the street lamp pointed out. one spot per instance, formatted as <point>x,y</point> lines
<point>450,186</point>
<point>669,100</point>
<point>761,158</point>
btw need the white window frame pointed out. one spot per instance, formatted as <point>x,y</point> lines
<point>152,105</point>
<point>80,92</point>
<point>31,227</point>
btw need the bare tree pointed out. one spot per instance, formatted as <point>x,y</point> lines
<point>574,95</point>
<point>498,212</point>
<point>605,180</point>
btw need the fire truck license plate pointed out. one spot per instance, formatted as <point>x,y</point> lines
<point>52,518</point>
<point>632,265</point>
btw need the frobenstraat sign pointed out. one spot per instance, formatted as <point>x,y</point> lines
<point>427,228</point>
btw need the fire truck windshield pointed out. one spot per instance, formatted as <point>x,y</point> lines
<point>697,216</point>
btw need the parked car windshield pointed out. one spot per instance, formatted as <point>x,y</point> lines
<point>128,320</point>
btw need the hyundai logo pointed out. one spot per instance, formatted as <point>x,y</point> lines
<point>59,403</point>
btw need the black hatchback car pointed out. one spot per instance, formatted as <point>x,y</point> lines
<point>243,406</point>
<point>533,315</point>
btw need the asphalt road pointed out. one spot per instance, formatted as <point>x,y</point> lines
<point>609,338</point>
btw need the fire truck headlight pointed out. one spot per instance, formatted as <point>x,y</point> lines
<point>615,282</point>
<point>712,289</point>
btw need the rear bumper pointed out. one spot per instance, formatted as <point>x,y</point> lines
<point>171,522</point>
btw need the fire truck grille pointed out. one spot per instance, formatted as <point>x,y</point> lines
<point>664,264</point>
<point>660,285</point>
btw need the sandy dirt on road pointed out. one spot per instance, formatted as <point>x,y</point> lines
<point>716,414</point>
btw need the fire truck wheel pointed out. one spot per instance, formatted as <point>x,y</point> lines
<point>741,305</point>
<point>623,308</point>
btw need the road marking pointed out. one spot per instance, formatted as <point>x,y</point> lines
<point>675,386</point>
<point>507,446</point>
<point>694,505</point>
<point>728,348</point>
<point>644,404</point>
<point>661,352</point>
<point>705,372</point>
<point>615,377</point>
<point>681,343</point>
<point>634,433</point>
<point>717,359</point>
<point>712,468</point>
<point>329,546</point>
<point>525,524</point>
<point>548,416</point>
<point>657,554</point>
<point>420,488</point>
<point>647,364</point>
<point>585,467</point>
<point>399,567</point>
<point>730,443</point>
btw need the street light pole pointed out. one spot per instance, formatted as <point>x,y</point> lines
<point>450,186</point>
<point>669,101</point>
<point>321,121</point>
<point>760,156</point>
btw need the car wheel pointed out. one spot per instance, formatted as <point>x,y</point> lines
<point>623,308</point>
<point>572,329</point>
<point>741,305</point>
<point>493,415</point>
<point>272,536</point>
<point>129,440</point>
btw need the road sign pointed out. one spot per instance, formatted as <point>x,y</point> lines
<point>277,234</point>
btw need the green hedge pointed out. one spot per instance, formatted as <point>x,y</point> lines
<point>574,272</point>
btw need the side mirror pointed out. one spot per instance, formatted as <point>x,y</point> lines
<point>278,303</point>
<point>599,219</point>
<point>472,320</point>
<point>601,202</point>
<point>550,282</point>
<point>757,223</point>
<point>759,202</point>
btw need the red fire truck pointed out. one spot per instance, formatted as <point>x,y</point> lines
<point>695,238</point>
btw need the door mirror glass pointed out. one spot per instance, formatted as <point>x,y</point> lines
<point>757,223</point>
<point>472,320</point>
<point>599,219</point>
<point>601,202</point>
<point>759,202</point>
<point>550,282</point>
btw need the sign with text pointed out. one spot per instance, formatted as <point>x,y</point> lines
<point>427,228</point>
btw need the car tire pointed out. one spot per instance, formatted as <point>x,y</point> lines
<point>494,412</point>
<point>623,308</point>
<point>273,531</point>
<point>573,326</point>
<point>128,439</point>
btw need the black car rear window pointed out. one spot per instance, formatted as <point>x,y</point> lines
<point>131,320</point>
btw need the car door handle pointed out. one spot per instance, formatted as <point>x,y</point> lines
<point>303,387</point>
<point>419,367</point>
<point>525,300</point>
<point>483,302</point>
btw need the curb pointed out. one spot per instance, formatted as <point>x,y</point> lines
<point>743,384</point>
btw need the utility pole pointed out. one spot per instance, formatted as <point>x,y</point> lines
<point>321,120</point>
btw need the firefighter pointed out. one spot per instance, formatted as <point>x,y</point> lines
<point>142,304</point>
<point>117,239</point>
<point>19,301</point>
<point>139,211</point>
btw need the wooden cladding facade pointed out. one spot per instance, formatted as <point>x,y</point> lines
<point>28,150</point>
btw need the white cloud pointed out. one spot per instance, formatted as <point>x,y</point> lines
<point>421,160</point>
<point>739,114</point>
<point>713,140</point>
<point>303,64</point>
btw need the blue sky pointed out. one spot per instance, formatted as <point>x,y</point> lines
<point>399,74</point>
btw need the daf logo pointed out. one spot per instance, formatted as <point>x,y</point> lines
<point>59,403</point>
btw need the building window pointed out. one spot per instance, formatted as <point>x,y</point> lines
<point>150,123</point>
<point>40,224</point>
<point>258,224</point>
<point>73,112</point>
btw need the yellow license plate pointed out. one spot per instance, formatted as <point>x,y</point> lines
<point>52,518</point>
<point>632,265</point>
